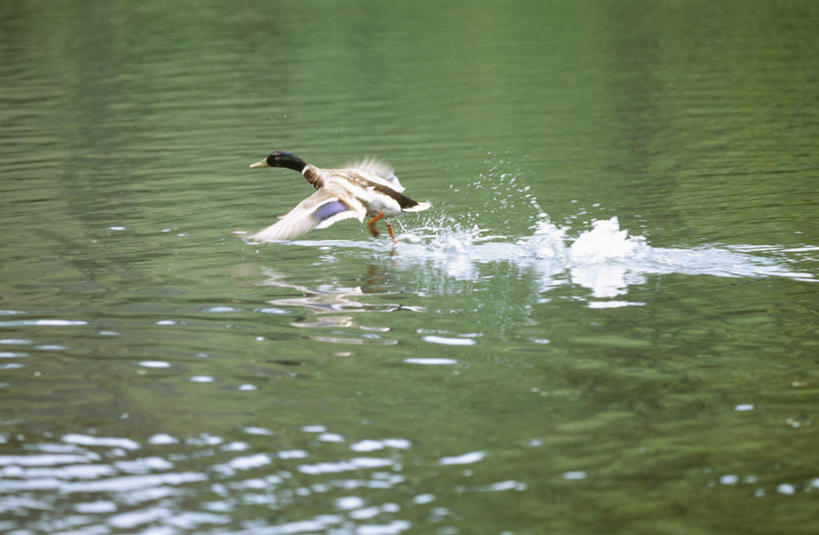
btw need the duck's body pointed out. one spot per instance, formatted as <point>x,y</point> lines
<point>368,188</point>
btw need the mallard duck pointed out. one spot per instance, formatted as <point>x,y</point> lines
<point>365,189</point>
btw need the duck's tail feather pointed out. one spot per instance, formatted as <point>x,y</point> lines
<point>418,207</point>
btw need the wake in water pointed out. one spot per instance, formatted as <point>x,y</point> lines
<point>604,259</point>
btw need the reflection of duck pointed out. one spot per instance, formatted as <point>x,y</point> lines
<point>327,303</point>
<point>326,299</point>
<point>368,188</point>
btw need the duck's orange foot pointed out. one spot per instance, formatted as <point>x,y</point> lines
<point>392,232</point>
<point>371,224</point>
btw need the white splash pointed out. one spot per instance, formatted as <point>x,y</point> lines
<point>605,259</point>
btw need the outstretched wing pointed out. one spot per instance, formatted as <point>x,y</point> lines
<point>380,169</point>
<point>319,210</point>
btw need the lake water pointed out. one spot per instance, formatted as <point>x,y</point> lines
<point>607,323</point>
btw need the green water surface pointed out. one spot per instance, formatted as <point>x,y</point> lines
<point>607,323</point>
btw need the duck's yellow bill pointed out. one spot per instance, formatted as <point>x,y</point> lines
<point>260,163</point>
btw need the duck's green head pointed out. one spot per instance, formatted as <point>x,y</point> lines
<point>280,158</point>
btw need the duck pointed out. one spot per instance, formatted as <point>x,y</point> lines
<point>366,189</point>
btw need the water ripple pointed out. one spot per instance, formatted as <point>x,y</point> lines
<point>466,458</point>
<point>444,340</point>
<point>42,323</point>
<point>106,442</point>
<point>106,483</point>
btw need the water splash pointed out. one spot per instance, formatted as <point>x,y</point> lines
<point>604,259</point>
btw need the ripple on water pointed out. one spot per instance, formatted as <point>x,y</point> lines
<point>247,462</point>
<point>501,486</point>
<point>12,354</point>
<point>114,484</point>
<point>292,454</point>
<point>162,438</point>
<point>143,489</point>
<point>349,502</point>
<point>105,442</point>
<point>154,364</point>
<point>123,490</point>
<point>222,309</point>
<point>449,341</point>
<point>274,311</point>
<point>431,361</point>
<point>98,507</point>
<point>110,481</point>
<point>614,304</point>
<point>42,323</point>
<point>108,333</point>
<point>373,445</point>
<point>201,379</point>
<point>466,458</point>
<point>349,465</point>
<point>260,431</point>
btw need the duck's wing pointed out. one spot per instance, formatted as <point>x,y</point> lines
<point>380,169</point>
<point>377,167</point>
<point>320,210</point>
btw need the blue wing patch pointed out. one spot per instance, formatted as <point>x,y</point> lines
<point>328,210</point>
